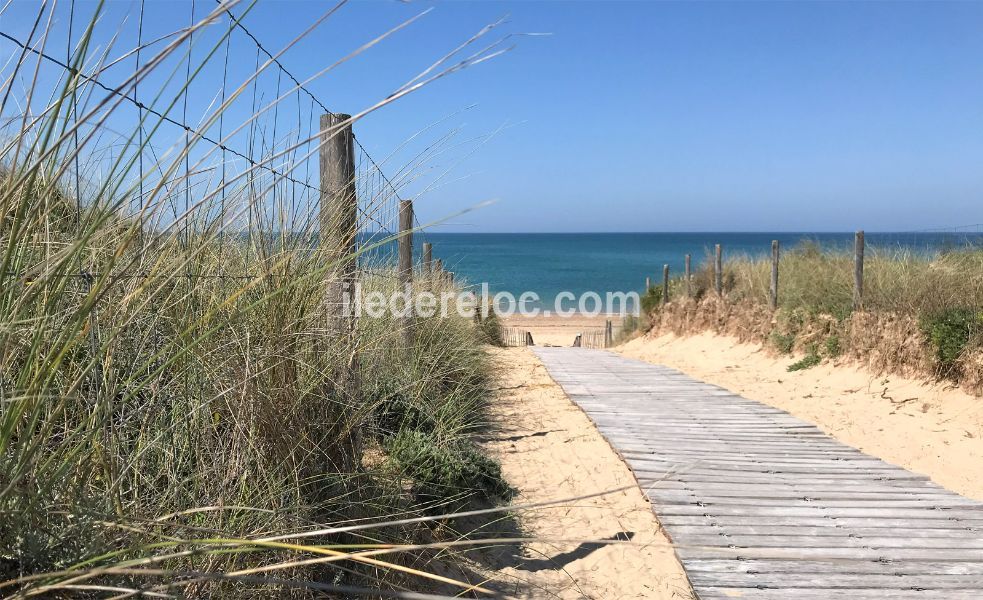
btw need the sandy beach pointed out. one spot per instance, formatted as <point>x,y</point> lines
<point>561,331</point>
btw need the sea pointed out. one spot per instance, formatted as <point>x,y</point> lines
<point>550,263</point>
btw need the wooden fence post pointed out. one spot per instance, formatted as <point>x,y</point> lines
<point>858,271</point>
<point>338,237</point>
<point>773,289</point>
<point>718,270</point>
<point>665,284</point>
<point>427,258</point>
<point>608,333</point>
<point>648,285</point>
<point>338,217</point>
<point>689,276</point>
<point>477,307</point>
<point>406,266</point>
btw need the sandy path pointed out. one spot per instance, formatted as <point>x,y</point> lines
<point>549,450</point>
<point>928,428</point>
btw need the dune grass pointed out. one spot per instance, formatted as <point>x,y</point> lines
<point>175,413</point>
<point>195,399</point>
<point>932,301</point>
<point>896,280</point>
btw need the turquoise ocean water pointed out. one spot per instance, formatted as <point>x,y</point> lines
<point>619,262</point>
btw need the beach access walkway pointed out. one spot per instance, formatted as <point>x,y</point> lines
<point>762,505</point>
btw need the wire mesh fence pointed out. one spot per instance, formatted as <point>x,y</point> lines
<point>173,188</point>
<point>200,136</point>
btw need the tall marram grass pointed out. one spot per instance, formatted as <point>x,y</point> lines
<point>171,415</point>
<point>922,312</point>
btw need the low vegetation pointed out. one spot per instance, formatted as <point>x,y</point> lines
<point>811,359</point>
<point>652,299</point>
<point>922,313</point>
<point>952,332</point>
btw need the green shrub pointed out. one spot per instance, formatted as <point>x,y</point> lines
<point>833,346</point>
<point>491,329</point>
<point>442,471</point>
<point>395,410</point>
<point>783,342</point>
<point>811,359</point>
<point>949,332</point>
<point>652,299</point>
<point>792,321</point>
<point>629,325</point>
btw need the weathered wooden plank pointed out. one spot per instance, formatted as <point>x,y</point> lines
<point>730,593</point>
<point>830,530</point>
<point>795,581</point>
<point>819,511</point>
<point>711,501</point>
<point>727,539</point>
<point>685,473</point>
<point>832,553</point>
<point>778,467</point>
<point>904,567</point>
<point>819,521</point>
<point>696,469</point>
<point>828,492</point>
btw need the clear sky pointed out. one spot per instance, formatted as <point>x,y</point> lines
<point>670,116</point>
<point>702,116</point>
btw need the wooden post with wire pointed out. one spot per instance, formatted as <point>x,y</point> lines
<point>688,275</point>
<point>773,288</point>
<point>406,267</point>
<point>427,258</point>
<point>718,270</point>
<point>338,219</point>
<point>858,270</point>
<point>665,284</point>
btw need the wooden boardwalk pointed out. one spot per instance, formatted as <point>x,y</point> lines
<point>762,505</point>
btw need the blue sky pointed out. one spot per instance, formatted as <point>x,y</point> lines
<point>667,116</point>
<point>702,116</point>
